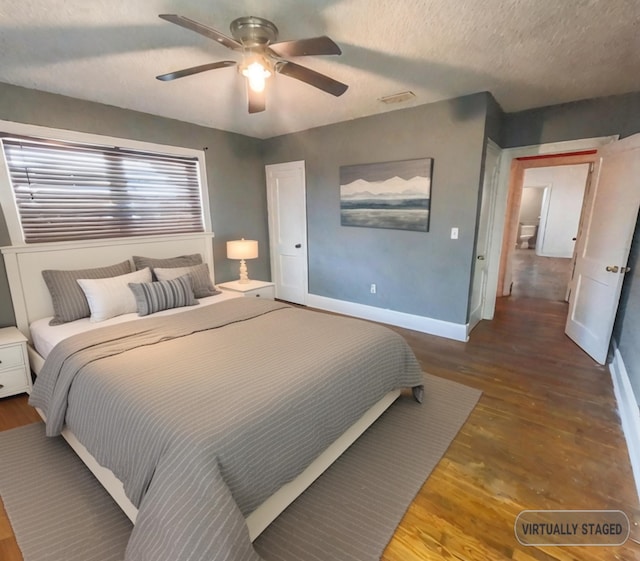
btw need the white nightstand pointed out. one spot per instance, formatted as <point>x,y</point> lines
<point>253,288</point>
<point>15,374</point>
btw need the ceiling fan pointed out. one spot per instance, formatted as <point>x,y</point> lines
<point>261,56</point>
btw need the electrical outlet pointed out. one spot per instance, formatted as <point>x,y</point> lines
<point>373,288</point>
<point>454,233</point>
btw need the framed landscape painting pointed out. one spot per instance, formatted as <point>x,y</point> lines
<point>394,195</point>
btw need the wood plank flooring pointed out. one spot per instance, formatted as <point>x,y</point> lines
<point>545,435</point>
<point>534,276</point>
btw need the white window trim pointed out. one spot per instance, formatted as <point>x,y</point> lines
<point>7,200</point>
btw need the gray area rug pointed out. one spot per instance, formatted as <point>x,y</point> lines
<point>59,512</point>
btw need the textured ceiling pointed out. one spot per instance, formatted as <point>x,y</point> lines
<point>527,53</point>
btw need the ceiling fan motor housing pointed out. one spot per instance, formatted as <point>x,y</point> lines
<point>253,32</point>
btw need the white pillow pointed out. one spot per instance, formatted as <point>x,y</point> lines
<point>112,296</point>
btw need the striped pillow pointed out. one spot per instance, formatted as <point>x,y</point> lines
<point>169,262</point>
<point>199,275</point>
<point>152,297</point>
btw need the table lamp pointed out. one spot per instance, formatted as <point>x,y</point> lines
<point>242,249</point>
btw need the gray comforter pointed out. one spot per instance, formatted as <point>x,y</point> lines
<point>204,414</point>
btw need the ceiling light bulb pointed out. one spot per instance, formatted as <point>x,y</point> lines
<point>257,74</point>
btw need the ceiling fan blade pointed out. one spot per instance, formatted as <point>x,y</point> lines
<point>195,70</point>
<point>306,47</point>
<point>311,77</point>
<point>203,30</point>
<point>257,100</point>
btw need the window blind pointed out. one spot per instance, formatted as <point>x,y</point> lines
<point>66,191</point>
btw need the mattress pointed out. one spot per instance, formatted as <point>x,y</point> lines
<point>45,337</point>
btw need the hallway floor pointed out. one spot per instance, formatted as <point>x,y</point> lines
<point>540,277</point>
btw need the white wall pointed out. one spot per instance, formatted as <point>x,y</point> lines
<point>531,205</point>
<point>561,206</point>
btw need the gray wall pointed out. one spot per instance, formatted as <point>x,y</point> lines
<point>6,310</point>
<point>425,274</point>
<point>603,116</point>
<point>235,172</point>
<point>627,329</point>
<point>583,119</point>
<point>495,120</point>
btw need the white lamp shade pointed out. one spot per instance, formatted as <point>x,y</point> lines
<point>242,249</point>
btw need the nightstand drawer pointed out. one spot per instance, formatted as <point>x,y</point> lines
<point>266,292</point>
<point>251,289</point>
<point>13,382</point>
<point>11,357</point>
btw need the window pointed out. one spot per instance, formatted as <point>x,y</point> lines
<point>66,190</point>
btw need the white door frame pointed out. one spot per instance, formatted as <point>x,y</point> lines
<point>508,155</point>
<point>544,213</point>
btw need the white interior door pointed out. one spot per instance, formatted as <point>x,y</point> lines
<point>286,199</point>
<point>611,211</point>
<point>487,205</point>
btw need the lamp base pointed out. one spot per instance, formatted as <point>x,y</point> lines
<point>244,277</point>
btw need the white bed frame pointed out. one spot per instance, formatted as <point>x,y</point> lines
<point>31,301</point>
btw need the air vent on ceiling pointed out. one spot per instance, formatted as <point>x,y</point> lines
<point>398,97</point>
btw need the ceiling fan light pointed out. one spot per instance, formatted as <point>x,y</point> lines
<point>256,73</point>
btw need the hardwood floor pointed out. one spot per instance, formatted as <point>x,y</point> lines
<point>544,435</point>
<point>539,277</point>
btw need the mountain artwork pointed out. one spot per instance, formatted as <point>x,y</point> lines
<point>395,195</point>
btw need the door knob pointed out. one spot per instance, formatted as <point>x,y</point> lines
<point>298,246</point>
<point>480,258</point>
<point>624,270</point>
<point>613,269</point>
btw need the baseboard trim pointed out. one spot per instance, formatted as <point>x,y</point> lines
<point>431,326</point>
<point>629,412</point>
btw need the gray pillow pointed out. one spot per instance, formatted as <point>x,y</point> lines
<point>69,302</point>
<point>199,275</point>
<point>152,297</point>
<point>167,263</point>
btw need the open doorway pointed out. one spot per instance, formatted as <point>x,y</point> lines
<point>548,222</point>
<point>545,200</point>
<point>606,229</point>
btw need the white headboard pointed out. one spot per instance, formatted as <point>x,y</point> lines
<point>24,264</point>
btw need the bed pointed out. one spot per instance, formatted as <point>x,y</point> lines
<point>203,423</point>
